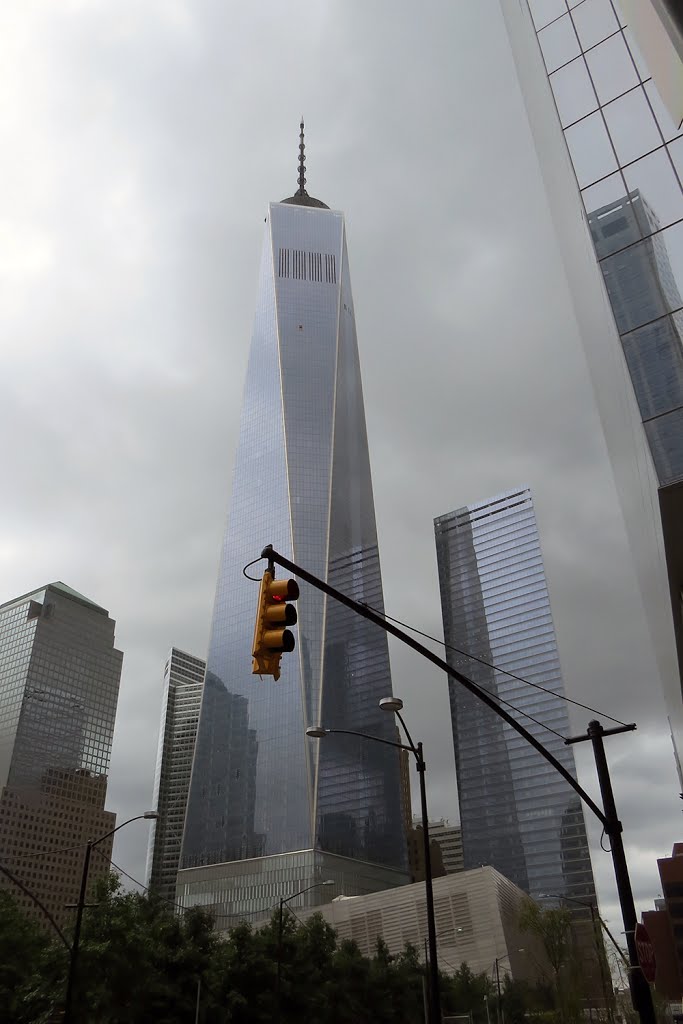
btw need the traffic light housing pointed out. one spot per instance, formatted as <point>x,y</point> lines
<point>274,614</point>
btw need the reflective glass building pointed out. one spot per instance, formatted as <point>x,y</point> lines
<point>59,685</point>
<point>269,810</point>
<point>181,701</point>
<point>516,812</point>
<point>610,147</point>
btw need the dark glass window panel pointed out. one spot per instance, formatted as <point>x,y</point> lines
<point>643,281</point>
<point>665,435</point>
<point>655,360</point>
<point>655,181</point>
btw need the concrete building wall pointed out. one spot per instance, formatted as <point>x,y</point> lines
<point>477,922</point>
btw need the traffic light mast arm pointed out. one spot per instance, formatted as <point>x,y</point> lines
<point>361,609</point>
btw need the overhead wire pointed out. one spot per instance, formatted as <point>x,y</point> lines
<point>495,668</point>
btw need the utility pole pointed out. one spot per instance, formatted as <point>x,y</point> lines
<point>640,990</point>
<point>641,995</point>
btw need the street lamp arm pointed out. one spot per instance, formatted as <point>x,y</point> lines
<point>138,817</point>
<point>375,739</point>
<point>405,729</point>
<point>286,899</point>
<point>481,694</point>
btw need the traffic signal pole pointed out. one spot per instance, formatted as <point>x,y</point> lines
<point>641,994</point>
<point>640,990</point>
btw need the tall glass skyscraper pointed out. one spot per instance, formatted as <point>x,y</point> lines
<point>610,146</point>
<point>270,811</point>
<point>516,812</point>
<point>59,686</point>
<point>182,699</point>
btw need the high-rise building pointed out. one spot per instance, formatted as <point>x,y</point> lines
<point>516,812</point>
<point>611,159</point>
<point>269,810</point>
<point>449,838</point>
<point>59,685</point>
<point>181,701</point>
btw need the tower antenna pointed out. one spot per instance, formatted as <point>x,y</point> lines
<point>302,160</point>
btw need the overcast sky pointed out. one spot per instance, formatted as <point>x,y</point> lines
<point>141,144</point>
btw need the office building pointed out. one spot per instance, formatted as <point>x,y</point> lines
<point>477,914</point>
<point>270,810</point>
<point>59,684</point>
<point>181,701</point>
<point>449,838</point>
<point>610,149</point>
<point>665,926</point>
<point>416,855</point>
<point>517,813</point>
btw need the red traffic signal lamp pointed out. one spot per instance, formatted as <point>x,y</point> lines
<point>274,614</point>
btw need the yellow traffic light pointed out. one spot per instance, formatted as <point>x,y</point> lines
<point>273,615</point>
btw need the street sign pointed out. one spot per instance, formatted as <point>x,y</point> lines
<point>646,953</point>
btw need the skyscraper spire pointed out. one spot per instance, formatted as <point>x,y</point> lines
<point>301,196</point>
<point>302,160</point>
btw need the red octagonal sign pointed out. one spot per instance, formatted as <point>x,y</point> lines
<point>646,953</point>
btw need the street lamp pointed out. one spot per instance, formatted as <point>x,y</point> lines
<point>599,947</point>
<point>499,959</point>
<point>150,815</point>
<point>394,705</point>
<point>283,901</point>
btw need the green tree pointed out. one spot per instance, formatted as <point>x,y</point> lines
<point>553,927</point>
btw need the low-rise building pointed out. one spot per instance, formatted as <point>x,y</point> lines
<point>477,922</point>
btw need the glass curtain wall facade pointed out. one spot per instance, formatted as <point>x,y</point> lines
<point>627,157</point>
<point>516,812</point>
<point>182,699</point>
<point>261,791</point>
<point>59,684</point>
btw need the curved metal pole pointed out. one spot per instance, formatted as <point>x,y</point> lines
<point>48,915</point>
<point>434,992</point>
<point>90,845</point>
<point>361,609</point>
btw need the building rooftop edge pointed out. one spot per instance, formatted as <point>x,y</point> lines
<point>60,588</point>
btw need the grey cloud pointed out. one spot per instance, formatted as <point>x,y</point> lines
<point>143,146</point>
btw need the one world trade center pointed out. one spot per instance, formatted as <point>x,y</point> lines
<point>271,812</point>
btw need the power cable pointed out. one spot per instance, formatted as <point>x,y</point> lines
<point>38,903</point>
<point>49,853</point>
<point>488,664</point>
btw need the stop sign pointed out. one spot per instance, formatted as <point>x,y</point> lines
<point>646,953</point>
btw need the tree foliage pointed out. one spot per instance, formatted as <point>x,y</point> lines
<point>553,927</point>
<point>140,962</point>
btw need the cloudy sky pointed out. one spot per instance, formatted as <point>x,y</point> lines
<point>141,144</point>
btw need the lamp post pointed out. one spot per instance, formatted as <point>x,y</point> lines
<point>73,961</point>
<point>497,960</point>
<point>283,901</point>
<point>394,705</point>
<point>597,922</point>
